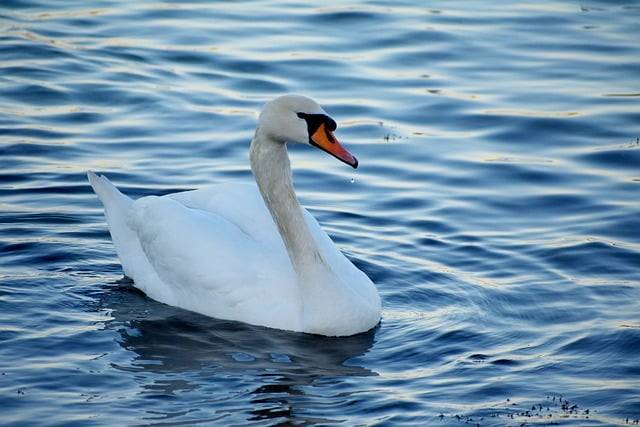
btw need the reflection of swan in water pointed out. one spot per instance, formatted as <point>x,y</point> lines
<point>168,341</point>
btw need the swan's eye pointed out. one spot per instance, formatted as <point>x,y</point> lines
<point>315,120</point>
<point>331,124</point>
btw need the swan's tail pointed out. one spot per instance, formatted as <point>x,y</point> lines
<point>116,208</point>
<point>109,195</point>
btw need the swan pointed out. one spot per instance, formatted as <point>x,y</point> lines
<point>247,252</point>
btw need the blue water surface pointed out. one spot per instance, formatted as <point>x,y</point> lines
<point>496,206</point>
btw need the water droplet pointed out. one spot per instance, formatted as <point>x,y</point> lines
<point>353,180</point>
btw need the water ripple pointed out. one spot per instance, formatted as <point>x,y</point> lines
<point>496,207</point>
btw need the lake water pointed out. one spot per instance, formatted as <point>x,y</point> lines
<point>496,207</point>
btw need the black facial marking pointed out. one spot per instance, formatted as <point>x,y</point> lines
<point>315,120</point>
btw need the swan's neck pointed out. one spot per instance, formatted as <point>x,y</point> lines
<point>272,171</point>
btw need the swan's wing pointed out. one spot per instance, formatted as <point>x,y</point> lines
<point>239,203</point>
<point>212,264</point>
<point>243,205</point>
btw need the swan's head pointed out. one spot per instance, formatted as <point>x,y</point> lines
<point>298,119</point>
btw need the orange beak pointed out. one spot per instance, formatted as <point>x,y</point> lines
<point>326,141</point>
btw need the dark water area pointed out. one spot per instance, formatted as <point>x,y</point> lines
<point>496,207</point>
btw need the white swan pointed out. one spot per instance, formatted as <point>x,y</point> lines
<point>244,252</point>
